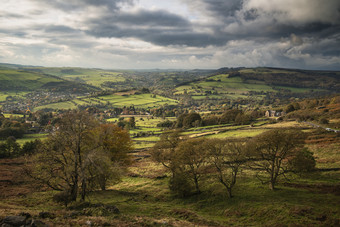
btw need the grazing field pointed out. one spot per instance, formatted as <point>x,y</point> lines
<point>19,80</point>
<point>95,77</point>
<point>144,199</point>
<point>221,86</point>
<point>58,105</point>
<point>9,94</point>
<point>30,137</point>
<point>139,100</point>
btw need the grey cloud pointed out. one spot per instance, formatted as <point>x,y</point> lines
<point>71,5</point>
<point>150,18</point>
<point>11,15</point>
<point>157,27</point>
<point>295,40</point>
<point>60,29</point>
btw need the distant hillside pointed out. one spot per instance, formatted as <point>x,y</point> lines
<point>93,77</point>
<point>235,83</point>
<point>329,80</point>
<point>19,79</point>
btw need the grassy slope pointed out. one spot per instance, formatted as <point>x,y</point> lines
<point>93,77</point>
<point>235,87</point>
<point>13,79</point>
<point>144,199</point>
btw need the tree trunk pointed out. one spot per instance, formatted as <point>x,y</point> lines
<point>198,191</point>
<point>74,191</point>
<point>83,190</point>
<point>230,195</point>
<point>102,183</point>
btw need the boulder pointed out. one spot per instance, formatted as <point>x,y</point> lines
<point>21,220</point>
<point>14,221</point>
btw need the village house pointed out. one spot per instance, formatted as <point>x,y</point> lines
<point>273,113</point>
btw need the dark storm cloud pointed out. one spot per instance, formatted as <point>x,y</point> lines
<point>224,8</point>
<point>150,18</point>
<point>157,27</point>
<point>164,28</point>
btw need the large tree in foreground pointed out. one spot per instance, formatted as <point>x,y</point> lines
<point>272,151</point>
<point>79,155</point>
<point>227,158</point>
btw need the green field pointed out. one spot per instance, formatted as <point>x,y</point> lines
<point>140,100</point>
<point>5,94</point>
<point>93,77</point>
<point>30,137</point>
<point>221,86</point>
<point>19,80</point>
<point>58,105</point>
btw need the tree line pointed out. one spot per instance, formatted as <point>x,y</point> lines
<point>192,162</point>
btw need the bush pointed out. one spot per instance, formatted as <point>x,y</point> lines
<point>303,161</point>
<point>165,124</point>
<point>180,185</point>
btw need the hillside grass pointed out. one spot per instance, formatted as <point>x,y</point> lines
<point>144,199</point>
<point>19,80</point>
<point>95,77</point>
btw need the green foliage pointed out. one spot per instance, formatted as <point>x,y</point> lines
<point>270,152</point>
<point>229,116</point>
<point>165,124</point>
<point>227,158</point>
<point>10,148</point>
<point>303,161</point>
<point>189,120</point>
<point>77,158</point>
<point>11,131</point>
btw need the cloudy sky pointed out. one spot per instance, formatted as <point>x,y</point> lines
<point>187,34</point>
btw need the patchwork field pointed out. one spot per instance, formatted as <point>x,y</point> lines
<point>138,100</point>
<point>94,77</point>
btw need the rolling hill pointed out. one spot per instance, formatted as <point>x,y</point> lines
<point>16,79</point>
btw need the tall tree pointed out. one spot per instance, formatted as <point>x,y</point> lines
<point>75,157</point>
<point>190,159</point>
<point>226,157</point>
<point>272,150</point>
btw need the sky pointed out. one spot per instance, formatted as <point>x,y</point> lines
<point>176,34</point>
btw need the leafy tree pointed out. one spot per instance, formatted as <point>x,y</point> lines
<point>190,160</point>
<point>75,158</point>
<point>9,148</point>
<point>30,147</point>
<point>226,157</point>
<point>272,150</point>
<point>303,161</point>
<point>164,150</point>
<point>191,119</point>
<point>229,116</point>
<point>113,143</point>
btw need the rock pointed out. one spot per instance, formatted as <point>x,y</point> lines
<point>14,220</point>
<point>23,220</point>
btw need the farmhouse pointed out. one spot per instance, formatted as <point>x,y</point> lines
<point>273,113</point>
